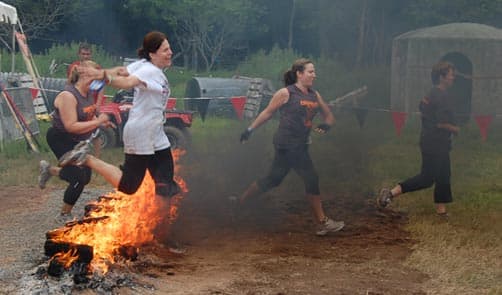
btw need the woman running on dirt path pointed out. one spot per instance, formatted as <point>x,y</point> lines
<point>146,146</point>
<point>438,126</point>
<point>74,119</point>
<point>297,103</point>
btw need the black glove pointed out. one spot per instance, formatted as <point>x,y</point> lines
<point>322,128</point>
<point>246,134</point>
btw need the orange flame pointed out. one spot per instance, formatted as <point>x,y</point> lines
<point>129,220</point>
<point>66,258</point>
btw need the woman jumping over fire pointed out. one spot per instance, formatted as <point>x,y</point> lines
<point>146,146</point>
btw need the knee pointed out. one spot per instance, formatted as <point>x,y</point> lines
<point>428,182</point>
<point>275,183</point>
<point>268,184</point>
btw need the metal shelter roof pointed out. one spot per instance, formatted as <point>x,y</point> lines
<point>8,14</point>
<point>455,31</point>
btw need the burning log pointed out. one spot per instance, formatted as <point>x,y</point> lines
<point>128,252</point>
<point>54,234</point>
<point>86,220</point>
<point>90,209</point>
<point>61,232</point>
<point>84,253</point>
<point>111,231</point>
<point>67,255</point>
<point>108,198</point>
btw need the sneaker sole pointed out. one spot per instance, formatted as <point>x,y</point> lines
<point>331,231</point>
<point>42,178</point>
<point>378,198</point>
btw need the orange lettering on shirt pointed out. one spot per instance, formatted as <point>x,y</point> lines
<point>310,107</point>
<point>90,112</point>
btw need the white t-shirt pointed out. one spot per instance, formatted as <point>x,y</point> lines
<point>144,130</point>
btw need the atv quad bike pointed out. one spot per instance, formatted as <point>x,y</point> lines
<point>176,125</point>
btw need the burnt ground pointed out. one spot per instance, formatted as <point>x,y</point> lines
<point>267,248</point>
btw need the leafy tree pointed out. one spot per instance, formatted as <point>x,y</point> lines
<point>203,30</point>
<point>434,12</point>
<point>41,17</point>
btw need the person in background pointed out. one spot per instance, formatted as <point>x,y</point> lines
<point>74,119</point>
<point>438,127</point>
<point>146,146</point>
<point>297,103</point>
<point>85,53</point>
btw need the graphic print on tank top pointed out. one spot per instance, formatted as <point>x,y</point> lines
<point>310,111</point>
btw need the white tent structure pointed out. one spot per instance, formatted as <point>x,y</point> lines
<point>23,101</point>
<point>8,15</point>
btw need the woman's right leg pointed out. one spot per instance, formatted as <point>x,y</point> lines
<point>420,181</point>
<point>279,170</point>
<point>112,174</point>
<point>60,143</point>
<point>77,178</point>
<point>128,179</point>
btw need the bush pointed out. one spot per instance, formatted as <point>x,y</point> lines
<point>60,54</point>
<point>271,65</point>
<point>333,78</point>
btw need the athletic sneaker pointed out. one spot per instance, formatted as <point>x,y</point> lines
<point>64,218</point>
<point>384,199</point>
<point>443,217</point>
<point>77,155</point>
<point>175,247</point>
<point>329,225</point>
<point>45,174</point>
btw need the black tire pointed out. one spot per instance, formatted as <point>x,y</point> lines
<point>176,137</point>
<point>108,137</point>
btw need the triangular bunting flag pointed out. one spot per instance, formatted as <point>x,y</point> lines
<point>399,118</point>
<point>361,116</point>
<point>171,103</point>
<point>238,102</point>
<point>202,105</point>
<point>483,124</point>
<point>34,93</point>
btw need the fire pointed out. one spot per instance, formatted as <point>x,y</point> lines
<point>66,258</point>
<point>118,219</point>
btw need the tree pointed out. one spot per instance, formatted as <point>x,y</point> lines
<point>434,12</point>
<point>204,30</point>
<point>41,17</point>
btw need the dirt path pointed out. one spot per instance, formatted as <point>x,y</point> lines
<point>268,248</point>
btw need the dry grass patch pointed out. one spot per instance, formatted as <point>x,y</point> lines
<point>464,255</point>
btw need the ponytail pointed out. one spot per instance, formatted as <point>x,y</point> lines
<point>290,76</point>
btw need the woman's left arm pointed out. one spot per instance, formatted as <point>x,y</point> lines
<point>329,118</point>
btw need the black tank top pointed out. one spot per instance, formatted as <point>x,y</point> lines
<point>296,118</point>
<point>86,111</point>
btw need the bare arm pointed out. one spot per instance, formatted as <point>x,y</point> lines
<point>66,103</point>
<point>117,77</point>
<point>280,97</point>
<point>450,127</point>
<point>329,118</point>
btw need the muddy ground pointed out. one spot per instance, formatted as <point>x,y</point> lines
<point>267,248</point>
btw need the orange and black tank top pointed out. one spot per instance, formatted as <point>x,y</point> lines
<point>86,111</point>
<point>296,118</point>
